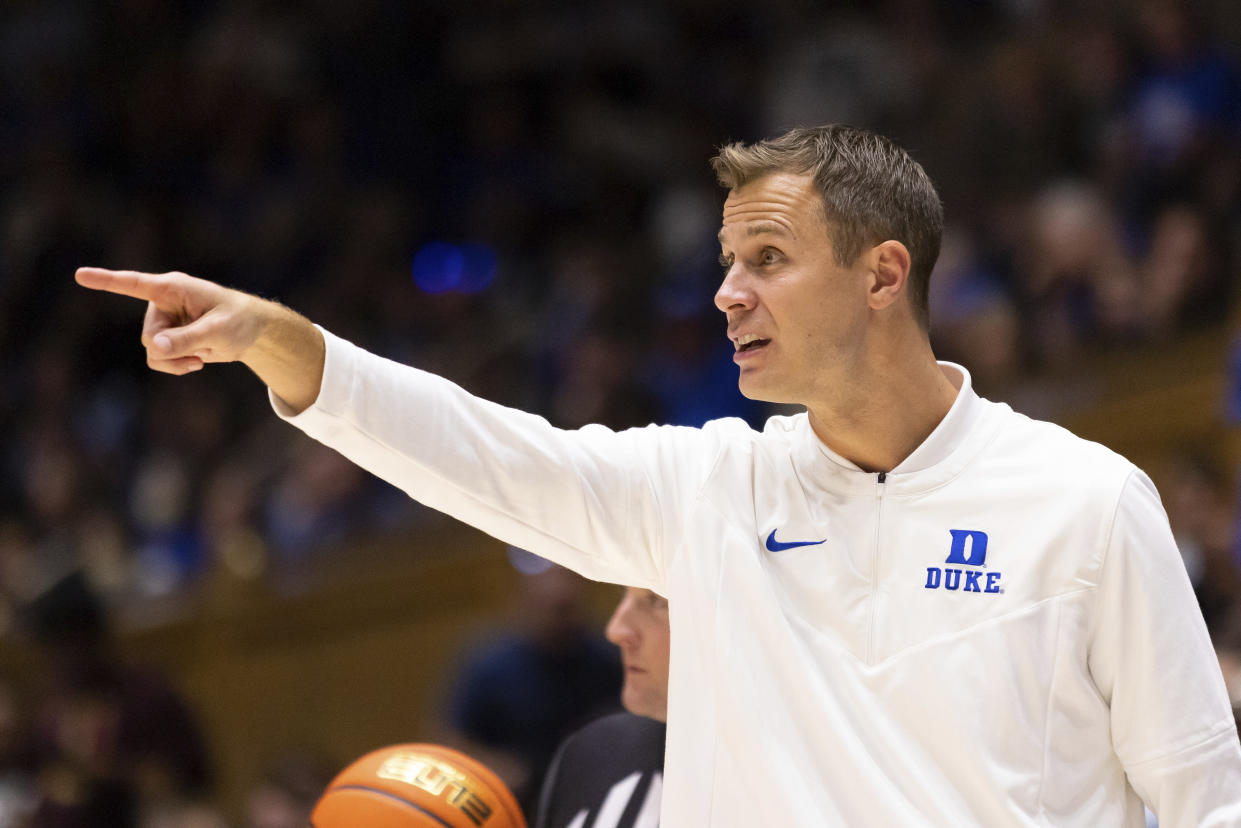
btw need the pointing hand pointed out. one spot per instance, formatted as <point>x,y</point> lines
<point>188,322</point>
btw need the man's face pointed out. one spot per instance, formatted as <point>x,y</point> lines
<point>795,316</point>
<point>640,628</point>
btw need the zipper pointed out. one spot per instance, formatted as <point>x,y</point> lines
<point>880,488</point>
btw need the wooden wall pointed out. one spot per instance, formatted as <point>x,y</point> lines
<point>1157,402</point>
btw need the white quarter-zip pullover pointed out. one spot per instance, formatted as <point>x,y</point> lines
<point>998,632</point>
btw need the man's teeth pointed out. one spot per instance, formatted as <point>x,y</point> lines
<point>746,340</point>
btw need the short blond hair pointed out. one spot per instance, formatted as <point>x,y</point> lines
<point>871,189</point>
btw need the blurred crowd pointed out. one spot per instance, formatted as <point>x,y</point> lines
<point>516,195</point>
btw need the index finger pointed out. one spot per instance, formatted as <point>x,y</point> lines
<point>124,282</point>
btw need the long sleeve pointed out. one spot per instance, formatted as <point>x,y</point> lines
<point>606,504</point>
<point>1152,660</point>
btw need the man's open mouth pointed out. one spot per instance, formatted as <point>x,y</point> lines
<point>749,342</point>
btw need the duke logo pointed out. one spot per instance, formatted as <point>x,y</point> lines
<point>969,549</point>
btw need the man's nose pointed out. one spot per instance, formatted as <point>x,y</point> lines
<point>619,631</point>
<point>734,292</point>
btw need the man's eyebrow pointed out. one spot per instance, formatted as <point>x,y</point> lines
<point>759,229</point>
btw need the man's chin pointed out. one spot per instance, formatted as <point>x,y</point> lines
<point>752,388</point>
<point>638,703</point>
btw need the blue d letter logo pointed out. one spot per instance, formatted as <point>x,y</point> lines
<point>968,547</point>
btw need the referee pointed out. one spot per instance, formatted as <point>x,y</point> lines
<point>609,774</point>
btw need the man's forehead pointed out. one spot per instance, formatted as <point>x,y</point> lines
<point>641,594</point>
<point>759,227</point>
<point>780,203</point>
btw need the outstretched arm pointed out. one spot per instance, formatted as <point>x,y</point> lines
<point>190,322</point>
<point>608,505</point>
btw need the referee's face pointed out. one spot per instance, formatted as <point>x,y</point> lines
<point>640,628</point>
<point>797,319</point>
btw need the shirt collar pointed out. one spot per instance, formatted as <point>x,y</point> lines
<point>951,431</point>
<point>941,442</point>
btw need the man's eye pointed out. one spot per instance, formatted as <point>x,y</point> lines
<point>725,261</point>
<point>768,257</point>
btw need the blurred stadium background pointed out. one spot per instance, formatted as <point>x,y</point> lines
<point>516,195</point>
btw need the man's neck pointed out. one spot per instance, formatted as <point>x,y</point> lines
<point>889,408</point>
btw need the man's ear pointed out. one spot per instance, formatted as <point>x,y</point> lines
<point>889,273</point>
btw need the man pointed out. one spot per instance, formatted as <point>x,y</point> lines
<point>610,773</point>
<point>906,606</point>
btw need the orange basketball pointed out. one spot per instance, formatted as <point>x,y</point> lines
<point>417,786</point>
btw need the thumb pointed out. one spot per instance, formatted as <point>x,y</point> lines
<point>196,338</point>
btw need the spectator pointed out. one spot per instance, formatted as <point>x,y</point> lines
<point>115,744</point>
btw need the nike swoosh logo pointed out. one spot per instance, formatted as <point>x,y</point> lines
<point>774,545</point>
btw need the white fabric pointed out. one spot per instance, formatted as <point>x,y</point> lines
<point>826,684</point>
